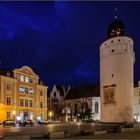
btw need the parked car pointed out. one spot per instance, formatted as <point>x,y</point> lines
<point>44,122</point>
<point>26,122</point>
<point>9,122</point>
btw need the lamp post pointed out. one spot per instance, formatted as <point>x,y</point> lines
<point>50,114</point>
<point>14,112</point>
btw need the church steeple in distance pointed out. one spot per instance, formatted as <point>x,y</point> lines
<point>116,28</point>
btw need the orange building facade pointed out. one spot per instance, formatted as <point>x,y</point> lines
<point>22,95</point>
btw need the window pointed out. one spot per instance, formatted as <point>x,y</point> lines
<point>31,91</point>
<point>31,103</point>
<point>21,114</point>
<point>26,79</point>
<point>8,86</point>
<point>21,102</point>
<point>8,73</point>
<point>40,93</point>
<point>96,107</point>
<point>109,94</point>
<point>139,93</point>
<point>112,50</point>
<point>8,100</point>
<point>21,89</point>
<point>21,78</point>
<point>54,94</point>
<point>49,101</point>
<point>26,103</point>
<point>8,114</point>
<point>30,80</point>
<point>26,90</point>
<point>41,104</point>
<point>41,116</point>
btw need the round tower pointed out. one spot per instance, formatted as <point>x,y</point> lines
<point>116,75</point>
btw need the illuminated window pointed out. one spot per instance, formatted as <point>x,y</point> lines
<point>31,103</point>
<point>96,107</point>
<point>31,91</point>
<point>41,104</point>
<point>30,80</point>
<point>8,100</point>
<point>26,90</point>
<point>8,114</point>
<point>40,93</point>
<point>26,79</point>
<point>21,89</point>
<point>21,78</point>
<point>8,73</point>
<point>41,116</point>
<point>8,86</point>
<point>21,102</point>
<point>26,103</point>
<point>21,114</point>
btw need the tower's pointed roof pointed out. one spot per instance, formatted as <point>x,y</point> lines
<point>115,29</point>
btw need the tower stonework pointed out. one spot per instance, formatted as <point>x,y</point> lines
<point>116,75</point>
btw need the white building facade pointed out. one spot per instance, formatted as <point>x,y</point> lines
<point>137,102</point>
<point>116,75</point>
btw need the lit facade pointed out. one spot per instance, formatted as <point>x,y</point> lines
<point>137,102</point>
<point>55,100</point>
<point>116,75</point>
<point>22,95</point>
<point>82,104</point>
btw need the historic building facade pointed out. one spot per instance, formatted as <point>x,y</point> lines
<point>116,75</point>
<point>137,102</point>
<point>82,103</point>
<point>22,95</point>
<point>55,100</point>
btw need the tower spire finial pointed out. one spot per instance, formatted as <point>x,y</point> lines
<point>116,11</point>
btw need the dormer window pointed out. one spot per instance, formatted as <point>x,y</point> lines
<point>8,73</point>
<point>26,79</point>
<point>21,78</point>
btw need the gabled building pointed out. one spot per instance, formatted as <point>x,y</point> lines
<point>22,95</point>
<point>82,103</point>
<point>55,99</point>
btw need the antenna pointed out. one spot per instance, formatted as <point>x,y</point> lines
<point>116,12</point>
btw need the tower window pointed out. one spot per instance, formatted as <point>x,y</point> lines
<point>112,75</point>
<point>125,50</point>
<point>119,40</point>
<point>112,50</point>
<point>96,107</point>
<point>111,41</point>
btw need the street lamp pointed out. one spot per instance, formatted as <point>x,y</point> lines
<point>50,114</point>
<point>14,112</point>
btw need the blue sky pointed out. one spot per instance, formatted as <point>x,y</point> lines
<point>60,40</point>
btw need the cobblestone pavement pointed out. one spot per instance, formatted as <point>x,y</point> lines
<point>111,136</point>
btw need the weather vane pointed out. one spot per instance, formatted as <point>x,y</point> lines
<point>116,11</point>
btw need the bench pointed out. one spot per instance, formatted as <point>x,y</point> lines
<point>87,132</point>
